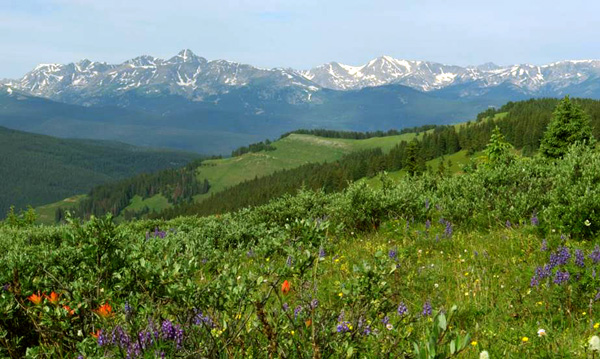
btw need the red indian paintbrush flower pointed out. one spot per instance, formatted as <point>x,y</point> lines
<point>35,298</point>
<point>52,298</point>
<point>285,287</point>
<point>104,311</point>
<point>69,310</point>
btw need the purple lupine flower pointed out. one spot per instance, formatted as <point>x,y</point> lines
<point>289,261</point>
<point>314,304</point>
<point>508,224</point>
<point>322,253</point>
<point>367,330</point>
<point>427,203</point>
<point>561,277</point>
<point>437,237</point>
<point>535,281</point>
<point>448,230</point>
<point>402,309</point>
<point>343,327</point>
<point>297,311</point>
<point>427,310</point>
<point>200,318</point>
<point>442,220</point>
<point>595,255</point>
<point>534,219</point>
<point>544,246</point>
<point>597,296</point>
<point>250,253</point>
<point>120,338</point>
<point>285,307</point>
<point>385,320</point>
<point>579,258</point>
<point>427,224</point>
<point>102,341</point>
<point>6,287</point>
<point>560,257</point>
<point>393,254</point>
<point>80,356</point>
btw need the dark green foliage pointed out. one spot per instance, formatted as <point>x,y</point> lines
<point>358,135</point>
<point>254,147</point>
<point>177,185</point>
<point>498,149</point>
<point>414,162</point>
<point>569,125</point>
<point>37,169</point>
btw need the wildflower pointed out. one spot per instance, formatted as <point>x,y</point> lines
<point>474,343</point>
<point>314,304</point>
<point>308,322</point>
<point>427,224</point>
<point>595,255</point>
<point>343,327</point>
<point>69,310</point>
<point>427,203</point>
<point>104,310</point>
<point>385,320</point>
<point>448,230</point>
<point>292,332</point>
<point>427,310</point>
<point>587,223</point>
<point>579,258</point>
<point>544,246</point>
<point>484,355</point>
<point>297,311</point>
<point>322,253</point>
<point>541,332</point>
<point>285,307</point>
<point>35,298</point>
<point>561,277</point>
<point>52,298</point>
<point>388,326</point>
<point>393,254</point>
<point>524,339</point>
<point>508,225</point>
<point>402,309</point>
<point>534,219</point>
<point>289,261</point>
<point>285,287</point>
<point>340,294</point>
<point>594,343</point>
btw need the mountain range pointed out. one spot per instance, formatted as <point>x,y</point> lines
<point>190,103</point>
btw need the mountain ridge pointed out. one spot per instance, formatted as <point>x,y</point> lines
<point>197,79</point>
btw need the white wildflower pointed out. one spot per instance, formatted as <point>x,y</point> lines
<point>595,344</point>
<point>484,355</point>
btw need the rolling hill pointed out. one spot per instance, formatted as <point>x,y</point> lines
<point>37,169</point>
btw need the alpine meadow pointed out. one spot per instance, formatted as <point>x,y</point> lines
<point>278,204</point>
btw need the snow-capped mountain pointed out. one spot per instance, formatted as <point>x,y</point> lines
<point>185,74</point>
<point>429,76</point>
<point>196,79</point>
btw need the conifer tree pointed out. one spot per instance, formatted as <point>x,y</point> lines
<point>569,124</point>
<point>498,149</point>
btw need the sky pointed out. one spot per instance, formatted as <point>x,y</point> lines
<point>297,34</point>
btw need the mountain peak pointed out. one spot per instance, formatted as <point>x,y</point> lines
<point>185,56</point>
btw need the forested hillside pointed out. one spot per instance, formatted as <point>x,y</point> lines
<point>523,123</point>
<point>37,169</point>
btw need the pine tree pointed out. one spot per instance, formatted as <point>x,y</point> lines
<point>498,149</point>
<point>569,125</point>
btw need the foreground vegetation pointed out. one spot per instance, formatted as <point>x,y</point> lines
<point>361,273</point>
<point>500,261</point>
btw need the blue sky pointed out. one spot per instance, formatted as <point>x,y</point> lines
<point>298,34</point>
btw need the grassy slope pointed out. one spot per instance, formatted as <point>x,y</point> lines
<point>292,151</point>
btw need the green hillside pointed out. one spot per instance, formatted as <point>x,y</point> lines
<point>502,258</point>
<point>291,151</point>
<point>38,169</point>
